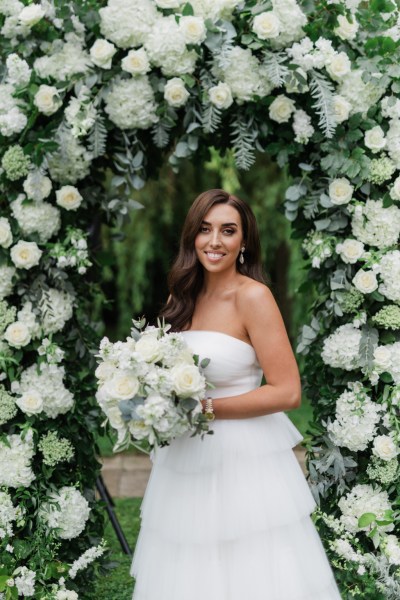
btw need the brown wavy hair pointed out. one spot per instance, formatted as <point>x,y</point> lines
<point>186,277</point>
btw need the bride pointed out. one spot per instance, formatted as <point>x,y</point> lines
<point>227,517</point>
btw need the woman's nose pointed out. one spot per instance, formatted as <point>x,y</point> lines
<point>215,238</point>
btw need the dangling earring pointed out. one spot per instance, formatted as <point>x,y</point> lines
<point>241,257</point>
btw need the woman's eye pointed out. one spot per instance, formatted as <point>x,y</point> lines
<point>203,229</point>
<point>229,231</point>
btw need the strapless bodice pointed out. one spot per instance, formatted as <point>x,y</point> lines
<point>233,367</point>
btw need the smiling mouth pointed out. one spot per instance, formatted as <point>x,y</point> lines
<point>214,255</point>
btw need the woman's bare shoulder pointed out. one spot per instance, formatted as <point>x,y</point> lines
<point>253,291</point>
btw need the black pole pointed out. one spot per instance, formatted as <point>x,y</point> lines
<point>107,499</point>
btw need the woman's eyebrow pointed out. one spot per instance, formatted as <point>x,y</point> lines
<point>223,224</point>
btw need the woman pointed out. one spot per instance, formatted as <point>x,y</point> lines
<point>227,517</point>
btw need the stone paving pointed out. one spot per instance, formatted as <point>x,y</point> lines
<point>126,474</point>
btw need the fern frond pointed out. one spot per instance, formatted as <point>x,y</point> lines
<point>160,134</point>
<point>210,118</point>
<point>98,138</point>
<point>243,137</point>
<point>322,90</point>
<point>275,69</point>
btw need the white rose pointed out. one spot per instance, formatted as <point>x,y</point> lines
<point>350,250</point>
<point>101,53</point>
<point>30,15</point>
<point>105,370</point>
<point>220,95</point>
<point>384,447</point>
<point>136,62</point>
<point>25,255</point>
<point>375,139</point>
<point>149,348</point>
<point>47,99</point>
<point>340,191</point>
<point>365,281</point>
<point>266,25</point>
<point>395,190</point>
<point>68,197</point>
<point>186,380</point>
<point>31,403</point>
<point>382,358</point>
<point>341,108</point>
<point>281,109</point>
<point>122,386</point>
<point>346,30</point>
<point>193,29</point>
<point>5,233</point>
<point>338,66</point>
<point>175,92</point>
<point>37,186</point>
<point>17,334</point>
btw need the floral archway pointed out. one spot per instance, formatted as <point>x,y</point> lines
<point>94,97</point>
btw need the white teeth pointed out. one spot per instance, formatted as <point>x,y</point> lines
<point>212,255</point>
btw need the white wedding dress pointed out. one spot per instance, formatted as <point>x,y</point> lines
<point>227,517</point>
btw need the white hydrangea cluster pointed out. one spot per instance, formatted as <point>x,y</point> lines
<point>375,225</point>
<point>17,455</point>
<point>214,9</point>
<point>361,95</point>
<point>36,217</point>
<point>387,359</point>
<point>18,71</point>
<point>318,246</point>
<point>64,59</point>
<point>243,73</point>
<point>57,307</point>
<point>81,113</point>
<point>393,141</point>
<point>364,498</point>
<point>37,186</point>
<point>85,559</point>
<point>25,579</point>
<point>71,162</point>
<point>8,514</point>
<point>67,511</point>
<point>341,348</point>
<point>43,386</point>
<point>166,48</point>
<point>391,548</point>
<point>389,271</point>
<point>6,276</point>
<point>12,119</point>
<point>302,127</point>
<point>127,23</point>
<point>130,103</point>
<point>390,107</point>
<point>356,419</point>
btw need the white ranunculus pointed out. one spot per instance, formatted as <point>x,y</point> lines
<point>346,30</point>
<point>149,348</point>
<point>365,281</point>
<point>382,358</point>
<point>31,403</point>
<point>136,62</point>
<point>395,190</point>
<point>68,197</point>
<point>340,191</point>
<point>5,233</point>
<point>193,29</point>
<point>350,250</point>
<point>220,95</point>
<point>25,255</point>
<point>338,66</point>
<point>123,386</point>
<point>281,109</point>
<point>47,99</point>
<point>175,92</point>
<point>186,380</point>
<point>384,447</point>
<point>266,25</point>
<point>17,334</point>
<point>341,108</point>
<point>30,15</point>
<point>375,139</point>
<point>101,53</point>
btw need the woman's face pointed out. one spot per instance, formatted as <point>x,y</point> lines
<point>220,238</point>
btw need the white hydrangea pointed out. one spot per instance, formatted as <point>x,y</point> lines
<point>8,514</point>
<point>127,23</point>
<point>47,381</point>
<point>395,190</point>
<point>67,511</point>
<point>36,217</point>
<point>64,60</point>
<point>6,276</point>
<point>302,127</point>
<point>80,113</point>
<point>361,95</point>
<point>214,9</point>
<point>37,186</point>
<point>391,548</point>
<point>18,70</point>
<point>130,103</point>
<point>375,225</point>
<point>166,48</point>
<point>306,56</point>
<point>17,455</point>
<point>364,498</point>
<point>56,309</point>
<point>25,581</point>
<point>356,419</point>
<point>393,141</point>
<point>244,74</point>
<point>12,119</point>
<point>292,20</point>
<point>390,107</point>
<point>389,270</point>
<point>341,348</point>
<point>71,162</point>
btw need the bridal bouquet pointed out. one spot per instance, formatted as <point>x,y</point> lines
<point>150,386</point>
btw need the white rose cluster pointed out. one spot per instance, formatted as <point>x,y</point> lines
<point>41,389</point>
<point>130,103</point>
<point>364,498</point>
<point>341,349</point>
<point>12,119</point>
<point>389,271</point>
<point>356,419</point>
<point>36,217</point>
<point>375,225</point>
<point>17,454</point>
<point>67,511</point>
<point>387,359</point>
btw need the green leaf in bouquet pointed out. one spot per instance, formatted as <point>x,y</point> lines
<point>188,404</point>
<point>204,363</point>
<point>139,323</point>
<point>366,519</point>
<point>128,407</point>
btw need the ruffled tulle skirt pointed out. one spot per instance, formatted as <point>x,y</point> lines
<point>228,518</point>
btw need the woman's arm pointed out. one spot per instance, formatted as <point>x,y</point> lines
<point>265,327</point>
